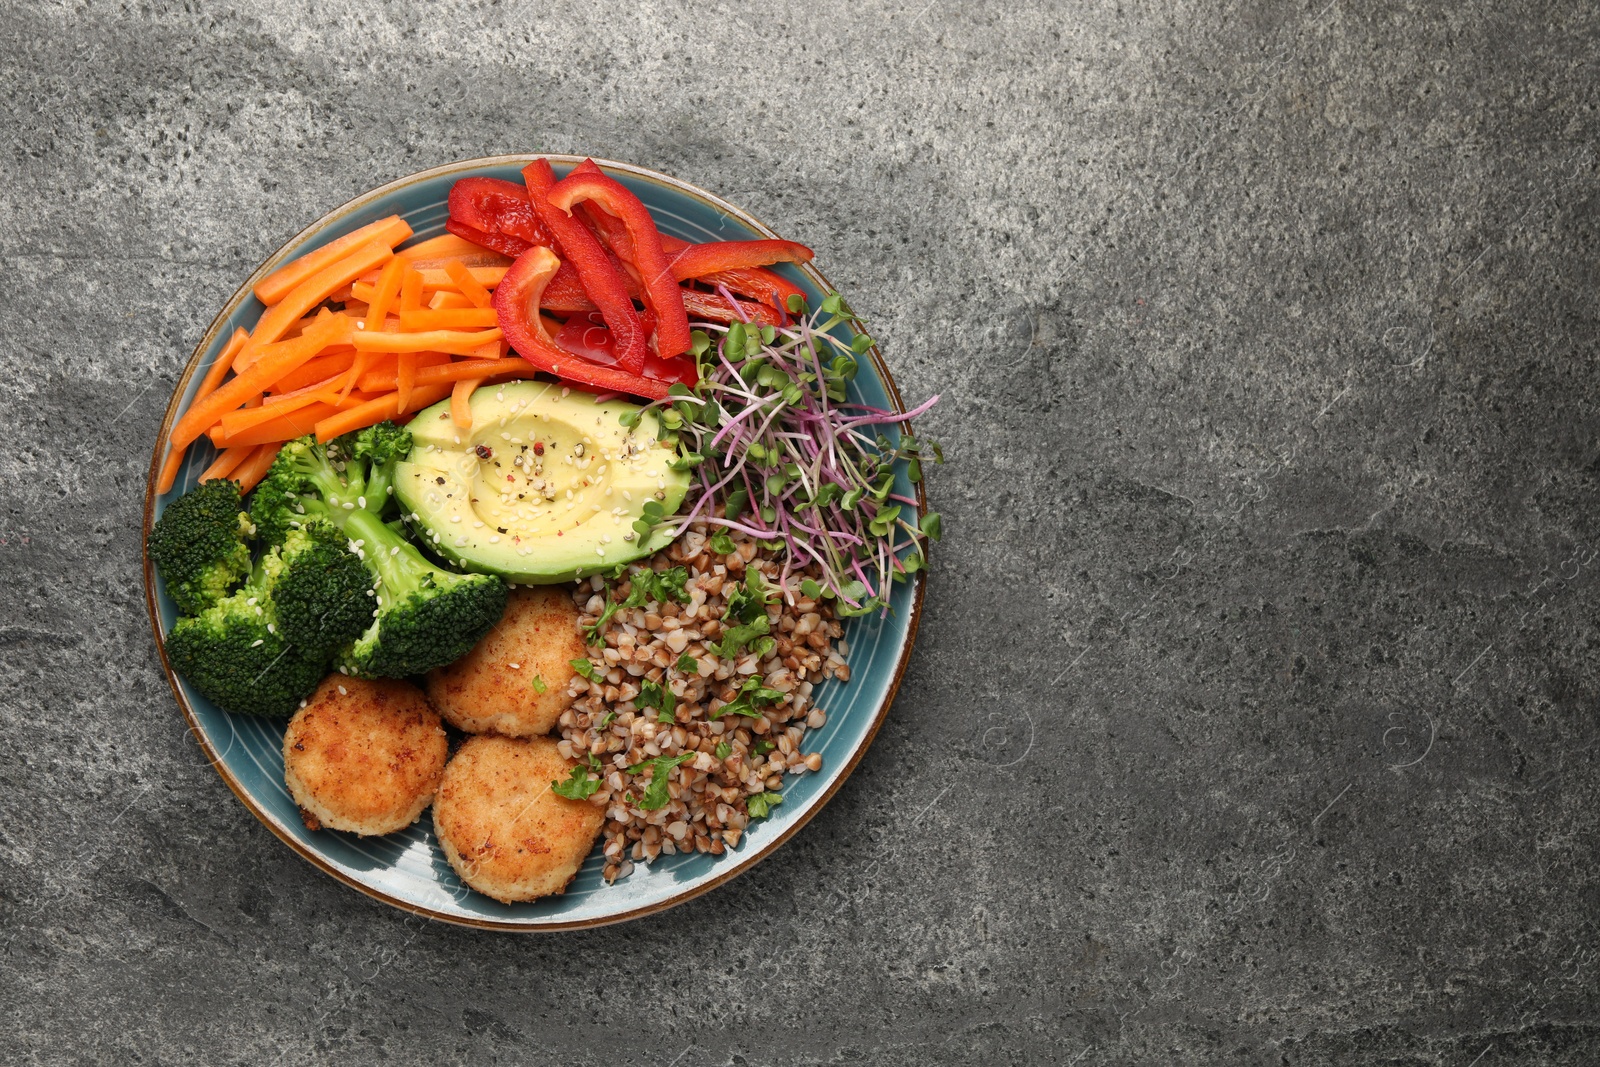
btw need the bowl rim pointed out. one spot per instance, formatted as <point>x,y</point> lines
<point>465,168</point>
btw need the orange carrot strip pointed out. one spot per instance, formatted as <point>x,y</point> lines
<point>457,343</point>
<point>255,468</point>
<point>226,461</point>
<point>455,371</point>
<point>381,302</point>
<point>447,319</point>
<point>277,285</point>
<point>307,295</point>
<point>444,299</point>
<point>341,295</point>
<point>376,410</point>
<point>405,377</point>
<point>208,385</point>
<point>274,361</point>
<point>289,425</point>
<point>410,291</point>
<point>315,371</point>
<point>469,286</point>
<point>436,278</point>
<point>446,245</point>
<point>461,402</point>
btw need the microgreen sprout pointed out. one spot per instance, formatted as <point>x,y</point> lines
<point>778,451</point>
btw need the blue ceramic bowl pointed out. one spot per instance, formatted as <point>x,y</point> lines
<point>407,869</point>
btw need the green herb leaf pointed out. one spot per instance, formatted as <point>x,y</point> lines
<point>763,747</point>
<point>538,684</point>
<point>761,804</point>
<point>687,664</point>
<point>699,343</point>
<point>724,750</point>
<point>655,695</point>
<point>656,794</point>
<point>577,785</point>
<point>932,525</point>
<point>722,544</point>
<point>735,503</point>
<point>734,638</point>
<point>796,304</point>
<point>809,588</point>
<point>750,694</point>
<point>585,668</point>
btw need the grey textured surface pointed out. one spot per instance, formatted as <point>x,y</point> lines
<point>1254,714</point>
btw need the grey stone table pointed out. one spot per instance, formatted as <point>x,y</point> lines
<point>1254,714</point>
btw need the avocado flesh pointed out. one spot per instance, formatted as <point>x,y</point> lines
<point>488,500</point>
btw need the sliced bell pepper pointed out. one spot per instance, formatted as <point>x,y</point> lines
<point>516,303</point>
<point>696,261</point>
<point>714,307</point>
<point>587,336</point>
<point>655,275</point>
<point>496,206</point>
<point>503,243</point>
<point>601,279</point>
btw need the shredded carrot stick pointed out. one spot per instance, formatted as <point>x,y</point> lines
<point>340,296</point>
<point>378,381</point>
<point>207,386</point>
<point>445,246</point>
<point>457,343</point>
<point>277,285</point>
<point>438,278</point>
<point>410,291</point>
<point>447,319</point>
<point>492,350</point>
<point>307,295</point>
<point>405,377</point>
<point>315,371</point>
<point>226,461</point>
<point>275,361</point>
<point>383,294</point>
<point>461,402</point>
<point>469,286</point>
<point>236,423</point>
<point>376,410</point>
<point>255,468</point>
<point>444,299</point>
<point>285,427</point>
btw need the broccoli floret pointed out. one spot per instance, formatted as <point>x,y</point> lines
<point>232,653</point>
<point>423,615</point>
<point>201,545</point>
<point>427,616</point>
<point>323,593</point>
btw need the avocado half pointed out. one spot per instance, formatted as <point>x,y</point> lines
<point>542,487</point>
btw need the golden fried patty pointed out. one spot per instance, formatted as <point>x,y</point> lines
<point>500,825</point>
<point>364,756</point>
<point>495,688</point>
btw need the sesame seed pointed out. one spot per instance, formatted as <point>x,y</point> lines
<point>514,666</point>
<point>361,500</point>
<point>343,691</point>
<point>258,641</point>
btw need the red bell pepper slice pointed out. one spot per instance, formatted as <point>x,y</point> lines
<point>764,285</point>
<point>565,292</point>
<point>714,307</point>
<point>601,279</point>
<point>496,206</point>
<point>696,261</point>
<point>655,276</point>
<point>587,336</point>
<point>516,306</point>
<point>503,243</point>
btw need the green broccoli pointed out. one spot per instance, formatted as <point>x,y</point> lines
<point>423,615</point>
<point>201,545</point>
<point>323,594</point>
<point>232,653</point>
